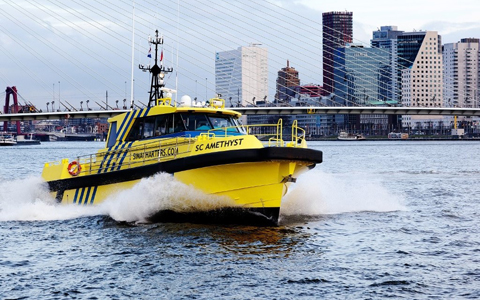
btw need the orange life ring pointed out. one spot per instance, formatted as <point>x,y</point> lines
<point>74,168</point>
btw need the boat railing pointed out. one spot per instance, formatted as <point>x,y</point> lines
<point>298,134</point>
<point>223,131</point>
<point>217,102</point>
<point>164,101</point>
<point>272,135</point>
<point>124,157</point>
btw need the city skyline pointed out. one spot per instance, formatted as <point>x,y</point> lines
<point>103,64</point>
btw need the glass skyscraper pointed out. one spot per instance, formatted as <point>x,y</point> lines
<point>361,79</point>
<point>386,39</point>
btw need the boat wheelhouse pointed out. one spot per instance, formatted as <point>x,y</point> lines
<point>345,136</point>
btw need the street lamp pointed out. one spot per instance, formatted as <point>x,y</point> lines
<point>59,96</point>
<point>47,105</point>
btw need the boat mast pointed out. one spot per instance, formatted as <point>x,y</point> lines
<point>133,53</point>
<point>158,72</point>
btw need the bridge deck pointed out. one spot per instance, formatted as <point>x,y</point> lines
<point>436,111</point>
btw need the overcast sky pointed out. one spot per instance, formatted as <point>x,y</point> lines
<point>437,15</point>
<point>86,45</point>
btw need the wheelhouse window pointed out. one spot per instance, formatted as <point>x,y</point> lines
<point>149,127</point>
<point>222,122</point>
<point>112,134</point>
<point>205,122</point>
<point>195,122</point>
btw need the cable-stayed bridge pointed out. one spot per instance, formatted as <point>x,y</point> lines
<point>298,110</point>
<point>239,28</point>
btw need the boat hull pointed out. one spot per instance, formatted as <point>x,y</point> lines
<point>351,139</point>
<point>344,136</point>
<point>7,141</point>
<point>254,180</point>
<point>267,216</point>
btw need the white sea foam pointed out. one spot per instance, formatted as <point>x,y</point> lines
<point>29,199</point>
<point>317,193</point>
<point>159,192</point>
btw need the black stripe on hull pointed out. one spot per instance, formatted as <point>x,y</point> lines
<point>189,163</point>
<point>231,215</point>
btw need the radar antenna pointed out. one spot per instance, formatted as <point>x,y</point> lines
<point>158,72</point>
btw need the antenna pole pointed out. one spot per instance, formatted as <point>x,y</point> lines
<point>133,52</point>
<point>176,71</point>
<point>158,72</point>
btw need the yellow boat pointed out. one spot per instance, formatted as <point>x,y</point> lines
<point>204,146</point>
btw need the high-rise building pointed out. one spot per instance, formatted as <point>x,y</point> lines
<point>386,39</point>
<point>337,32</point>
<point>420,54</point>
<point>241,75</point>
<point>287,81</point>
<point>361,78</point>
<point>360,75</point>
<point>461,77</point>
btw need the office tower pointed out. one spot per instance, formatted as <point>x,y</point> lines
<point>460,79</point>
<point>241,75</point>
<point>386,39</point>
<point>337,32</point>
<point>287,81</point>
<point>361,78</point>
<point>420,55</point>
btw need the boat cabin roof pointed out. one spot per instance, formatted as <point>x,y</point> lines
<point>163,109</point>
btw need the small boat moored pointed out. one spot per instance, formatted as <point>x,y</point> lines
<point>345,136</point>
<point>23,141</point>
<point>203,145</point>
<point>7,140</point>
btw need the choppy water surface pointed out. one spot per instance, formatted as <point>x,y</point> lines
<point>376,220</point>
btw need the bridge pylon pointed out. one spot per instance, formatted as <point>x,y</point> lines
<point>11,91</point>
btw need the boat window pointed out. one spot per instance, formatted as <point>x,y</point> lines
<point>161,125</point>
<point>220,121</point>
<point>148,128</point>
<point>178,123</point>
<point>153,126</point>
<point>196,122</point>
<point>112,134</point>
<point>240,126</point>
<point>166,124</point>
<point>137,131</point>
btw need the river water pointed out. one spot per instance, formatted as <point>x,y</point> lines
<point>375,220</point>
